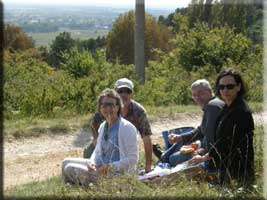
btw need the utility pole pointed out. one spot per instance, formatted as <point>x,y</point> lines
<point>139,40</point>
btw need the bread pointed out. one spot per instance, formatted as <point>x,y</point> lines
<point>186,150</point>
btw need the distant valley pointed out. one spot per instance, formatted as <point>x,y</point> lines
<point>44,23</point>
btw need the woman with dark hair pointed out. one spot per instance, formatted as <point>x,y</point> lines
<point>233,150</point>
<point>116,150</point>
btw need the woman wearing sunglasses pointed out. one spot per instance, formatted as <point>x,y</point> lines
<point>116,151</point>
<point>233,150</point>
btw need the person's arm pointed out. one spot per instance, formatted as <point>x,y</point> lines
<point>96,155</point>
<point>198,158</point>
<point>206,127</point>
<point>96,121</point>
<point>211,113</point>
<point>148,152</point>
<point>192,136</point>
<point>143,126</point>
<point>145,131</point>
<point>94,129</point>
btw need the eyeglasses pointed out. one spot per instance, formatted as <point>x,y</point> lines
<point>127,91</point>
<point>228,86</point>
<point>108,104</point>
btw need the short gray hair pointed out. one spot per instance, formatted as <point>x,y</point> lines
<point>201,83</point>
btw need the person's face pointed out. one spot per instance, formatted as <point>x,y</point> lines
<point>201,95</point>
<point>228,89</point>
<point>109,108</point>
<point>125,94</point>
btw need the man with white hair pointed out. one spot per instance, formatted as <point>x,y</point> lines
<point>204,97</point>
<point>131,111</point>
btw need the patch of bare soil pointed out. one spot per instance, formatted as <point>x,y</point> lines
<point>39,158</point>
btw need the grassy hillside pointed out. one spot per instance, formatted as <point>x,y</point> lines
<point>44,39</point>
<point>130,187</point>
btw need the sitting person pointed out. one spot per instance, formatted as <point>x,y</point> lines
<point>205,99</point>
<point>232,151</point>
<point>132,111</point>
<point>116,150</point>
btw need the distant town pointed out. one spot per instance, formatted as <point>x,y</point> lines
<point>43,19</point>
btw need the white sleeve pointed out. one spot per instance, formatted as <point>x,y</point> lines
<point>96,155</point>
<point>128,148</point>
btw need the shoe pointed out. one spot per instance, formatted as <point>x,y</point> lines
<point>157,151</point>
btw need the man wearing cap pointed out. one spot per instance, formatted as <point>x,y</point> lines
<point>133,112</point>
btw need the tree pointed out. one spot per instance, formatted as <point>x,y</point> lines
<point>179,23</point>
<point>195,12</point>
<point>78,64</point>
<point>202,46</point>
<point>169,20</point>
<point>62,44</point>
<point>120,40</point>
<point>92,44</point>
<point>15,39</point>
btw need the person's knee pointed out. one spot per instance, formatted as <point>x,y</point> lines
<point>65,162</point>
<point>176,159</point>
<point>173,160</point>
<point>164,158</point>
<point>70,170</point>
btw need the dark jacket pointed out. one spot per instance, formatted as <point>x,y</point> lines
<point>205,132</point>
<point>233,149</point>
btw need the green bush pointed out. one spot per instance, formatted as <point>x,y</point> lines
<point>202,45</point>
<point>33,88</point>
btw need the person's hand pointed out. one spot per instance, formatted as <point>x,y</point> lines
<point>103,170</point>
<point>200,151</point>
<point>173,138</point>
<point>196,159</point>
<point>91,167</point>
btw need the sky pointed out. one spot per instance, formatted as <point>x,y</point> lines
<point>118,3</point>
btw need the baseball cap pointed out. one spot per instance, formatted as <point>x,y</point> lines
<point>124,82</point>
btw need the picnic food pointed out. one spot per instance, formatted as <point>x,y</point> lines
<point>186,149</point>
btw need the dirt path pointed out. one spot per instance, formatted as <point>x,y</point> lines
<point>36,159</point>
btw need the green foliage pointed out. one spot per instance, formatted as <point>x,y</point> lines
<point>259,149</point>
<point>243,16</point>
<point>78,64</point>
<point>129,188</point>
<point>62,44</point>
<point>251,71</point>
<point>180,23</point>
<point>92,44</point>
<point>169,20</point>
<point>167,83</point>
<point>33,88</point>
<point>204,46</point>
<point>26,86</point>
<point>120,40</point>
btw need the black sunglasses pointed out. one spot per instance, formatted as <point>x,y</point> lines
<point>127,91</point>
<point>228,86</point>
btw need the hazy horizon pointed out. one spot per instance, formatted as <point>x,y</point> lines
<point>166,4</point>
